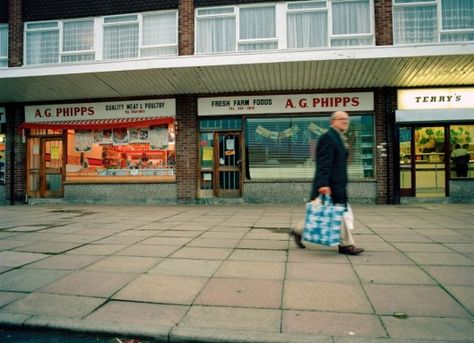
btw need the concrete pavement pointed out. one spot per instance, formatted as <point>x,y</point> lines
<point>228,273</point>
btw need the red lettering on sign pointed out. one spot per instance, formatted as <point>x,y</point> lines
<point>289,103</point>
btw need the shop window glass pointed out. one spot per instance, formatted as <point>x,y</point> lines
<point>3,46</point>
<point>462,150</point>
<point>284,148</point>
<point>220,124</point>
<point>427,21</point>
<point>133,154</point>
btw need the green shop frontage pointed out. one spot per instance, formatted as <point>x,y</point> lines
<point>262,148</point>
<point>435,129</point>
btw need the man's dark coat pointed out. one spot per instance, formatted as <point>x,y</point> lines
<point>331,166</point>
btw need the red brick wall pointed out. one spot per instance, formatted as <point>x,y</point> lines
<point>186,27</point>
<point>15,156</point>
<point>15,30</point>
<point>186,148</point>
<point>383,22</point>
<point>385,102</point>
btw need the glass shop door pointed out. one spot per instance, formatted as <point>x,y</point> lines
<point>228,164</point>
<point>45,167</point>
<point>422,161</point>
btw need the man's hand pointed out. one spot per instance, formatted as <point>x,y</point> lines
<point>324,190</point>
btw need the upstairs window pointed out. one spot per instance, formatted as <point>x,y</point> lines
<point>257,28</point>
<point>59,41</point>
<point>301,24</point>
<point>330,23</point>
<point>78,41</point>
<point>121,37</point>
<point>3,46</point>
<point>159,34</point>
<point>432,21</point>
<point>42,42</point>
<point>103,38</point>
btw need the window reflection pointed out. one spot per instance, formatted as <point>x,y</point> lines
<point>462,150</point>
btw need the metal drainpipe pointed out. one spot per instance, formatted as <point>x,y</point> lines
<point>390,160</point>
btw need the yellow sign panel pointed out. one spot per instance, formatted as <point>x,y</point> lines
<point>207,153</point>
<point>55,152</point>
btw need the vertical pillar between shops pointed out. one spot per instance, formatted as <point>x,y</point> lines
<point>186,148</point>
<point>186,27</point>
<point>384,127</point>
<point>15,33</point>
<point>383,22</point>
<point>15,178</point>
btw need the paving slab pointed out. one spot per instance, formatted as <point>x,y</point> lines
<point>241,293</point>
<point>148,250</point>
<point>202,253</point>
<point>16,258</point>
<point>28,280</point>
<point>258,255</point>
<point>321,272</point>
<point>413,300</point>
<point>166,289</point>
<point>433,329</point>
<point>452,275</point>
<point>8,297</point>
<point>54,305</point>
<point>325,296</point>
<point>89,283</point>
<point>140,313</point>
<point>232,318</point>
<point>186,267</point>
<point>393,274</point>
<point>64,262</point>
<point>332,324</point>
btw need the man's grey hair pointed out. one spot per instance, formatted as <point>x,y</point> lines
<point>335,114</point>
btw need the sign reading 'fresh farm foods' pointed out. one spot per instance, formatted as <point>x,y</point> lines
<point>294,103</point>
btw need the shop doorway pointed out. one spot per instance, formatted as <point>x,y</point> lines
<point>45,167</point>
<point>228,164</point>
<point>424,162</point>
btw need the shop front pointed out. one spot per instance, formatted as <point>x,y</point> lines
<point>435,129</point>
<point>262,148</point>
<point>3,166</point>
<point>106,152</point>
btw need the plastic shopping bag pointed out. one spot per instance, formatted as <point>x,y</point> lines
<point>323,221</point>
<point>349,218</point>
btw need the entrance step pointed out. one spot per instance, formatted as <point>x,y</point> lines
<point>212,201</point>
<point>45,201</point>
<point>425,200</point>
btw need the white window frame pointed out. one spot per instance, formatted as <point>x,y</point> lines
<point>281,15</point>
<point>439,19</point>
<point>198,17</point>
<point>79,52</point>
<point>60,28</point>
<point>28,29</point>
<point>142,46</point>
<point>240,41</point>
<point>4,58</point>
<point>121,23</point>
<point>98,36</point>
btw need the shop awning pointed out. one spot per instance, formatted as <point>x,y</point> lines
<point>98,124</point>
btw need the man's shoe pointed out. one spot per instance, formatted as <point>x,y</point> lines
<point>297,239</point>
<point>350,250</point>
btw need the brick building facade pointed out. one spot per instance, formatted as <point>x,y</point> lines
<point>197,80</point>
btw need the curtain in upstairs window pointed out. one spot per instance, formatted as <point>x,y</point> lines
<point>78,39</point>
<point>415,24</point>
<point>307,29</point>
<point>351,18</point>
<point>257,24</point>
<point>159,34</point>
<point>215,34</point>
<point>42,47</point>
<point>121,41</point>
<point>457,15</point>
